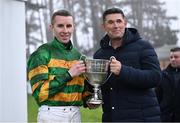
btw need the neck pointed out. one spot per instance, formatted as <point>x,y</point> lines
<point>116,43</point>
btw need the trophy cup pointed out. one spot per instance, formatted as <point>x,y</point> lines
<point>96,75</point>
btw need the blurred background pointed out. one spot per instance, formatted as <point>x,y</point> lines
<point>26,25</point>
<point>157,21</point>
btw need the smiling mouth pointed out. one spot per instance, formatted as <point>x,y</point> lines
<point>64,36</point>
<point>116,31</point>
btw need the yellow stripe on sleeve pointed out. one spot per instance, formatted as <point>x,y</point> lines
<point>76,81</point>
<point>44,92</point>
<point>38,70</point>
<point>35,86</point>
<point>61,63</point>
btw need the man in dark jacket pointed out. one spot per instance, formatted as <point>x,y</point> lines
<point>168,92</point>
<point>128,95</point>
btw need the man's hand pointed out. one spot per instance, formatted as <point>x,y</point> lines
<point>115,66</point>
<point>92,106</point>
<point>77,69</point>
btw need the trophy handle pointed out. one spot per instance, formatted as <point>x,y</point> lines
<point>111,58</point>
<point>82,57</point>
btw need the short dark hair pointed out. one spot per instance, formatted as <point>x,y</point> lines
<point>60,13</point>
<point>112,11</point>
<point>175,49</point>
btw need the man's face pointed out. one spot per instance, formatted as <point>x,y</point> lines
<point>63,28</point>
<point>175,59</point>
<point>115,25</point>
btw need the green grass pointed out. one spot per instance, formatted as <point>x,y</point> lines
<point>86,114</point>
<point>32,109</point>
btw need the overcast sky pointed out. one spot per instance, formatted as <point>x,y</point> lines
<point>173,8</point>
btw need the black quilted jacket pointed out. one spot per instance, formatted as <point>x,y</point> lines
<point>168,93</point>
<point>130,96</point>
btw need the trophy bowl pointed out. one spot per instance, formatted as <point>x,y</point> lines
<point>96,75</point>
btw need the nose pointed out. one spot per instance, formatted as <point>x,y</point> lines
<point>173,59</point>
<point>115,24</point>
<point>65,29</point>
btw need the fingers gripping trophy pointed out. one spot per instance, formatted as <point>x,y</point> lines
<point>96,75</point>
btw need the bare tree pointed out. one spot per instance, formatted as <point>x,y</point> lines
<point>148,16</point>
<point>33,25</point>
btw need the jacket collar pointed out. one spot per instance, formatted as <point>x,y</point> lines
<point>62,46</point>
<point>170,68</point>
<point>131,35</point>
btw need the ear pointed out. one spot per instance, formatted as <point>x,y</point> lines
<point>51,27</point>
<point>125,23</point>
<point>103,27</point>
<point>74,27</point>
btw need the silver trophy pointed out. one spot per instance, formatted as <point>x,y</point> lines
<point>96,75</point>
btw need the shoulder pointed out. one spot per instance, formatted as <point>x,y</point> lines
<point>145,48</point>
<point>144,44</point>
<point>42,50</point>
<point>98,53</point>
<point>41,54</point>
<point>74,49</point>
